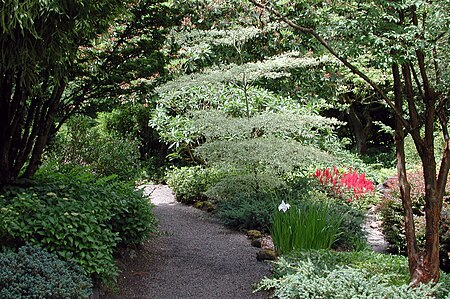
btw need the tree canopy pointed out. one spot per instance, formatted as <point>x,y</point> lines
<point>408,39</point>
<point>47,66</point>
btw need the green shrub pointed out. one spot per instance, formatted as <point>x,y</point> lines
<point>391,211</point>
<point>35,273</point>
<point>237,185</point>
<point>352,236</point>
<point>79,216</point>
<point>311,225</point>
<point>247,212</point>
<point>364,274</point>
<point>190,183</point>
<point>81,142</point>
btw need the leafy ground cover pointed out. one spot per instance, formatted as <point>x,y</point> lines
<point>360,274</point>
<point>81,217</point>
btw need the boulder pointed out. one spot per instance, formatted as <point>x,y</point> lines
<point>257,242</point>
<point>254,234</point>
<point>266,255</point>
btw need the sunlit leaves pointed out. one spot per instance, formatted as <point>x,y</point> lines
<point>36,34</point>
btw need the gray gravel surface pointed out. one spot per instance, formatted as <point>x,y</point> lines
<point>194,257</point>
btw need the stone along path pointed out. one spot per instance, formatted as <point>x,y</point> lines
<point>194,257</point>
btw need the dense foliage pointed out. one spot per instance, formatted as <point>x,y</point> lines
<point>83,142</point>
<point>80,217</point>
<point>191,183</point>
<point>39,42</point>
<point>363,274</point>
<point>34,273</point>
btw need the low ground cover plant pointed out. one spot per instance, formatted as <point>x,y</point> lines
<point>363,274</point>
<point>77,215</point>
<point>31,272</point>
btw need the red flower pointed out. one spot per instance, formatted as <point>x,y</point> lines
<point>348,182</point>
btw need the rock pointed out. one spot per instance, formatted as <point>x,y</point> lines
<point>266,255</point>
<point>199,204</point>
<point>267,243</point>
<point>257,243</point>
<point>254,234</point>
<point>209,206</point>
<point>205,205</point>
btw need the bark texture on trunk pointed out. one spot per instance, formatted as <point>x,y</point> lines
<point>405,188</point>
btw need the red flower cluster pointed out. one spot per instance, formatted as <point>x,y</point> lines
<point>344,182</point>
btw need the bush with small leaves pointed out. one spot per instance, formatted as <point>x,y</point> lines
<point>82,142</point>
<point>34,273</point>
<point>327,274</point>
<point>190,183</point>
<point>247,212</point>
<point>235,186</point>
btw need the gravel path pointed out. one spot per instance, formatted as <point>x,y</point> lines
<point>375,237</point>
<point>195,257</point>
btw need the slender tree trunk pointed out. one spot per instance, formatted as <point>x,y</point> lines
<point>428,270</point>
<point>45,126</point>
<point>405,188</point>
<point>25,125</point>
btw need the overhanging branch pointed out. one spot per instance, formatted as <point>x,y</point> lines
<point>269,7</point>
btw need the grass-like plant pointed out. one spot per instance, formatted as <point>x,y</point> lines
<point>311,225</point>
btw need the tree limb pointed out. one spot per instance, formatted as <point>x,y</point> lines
<point>269,7</point>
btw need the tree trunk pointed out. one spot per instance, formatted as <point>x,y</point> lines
<point>360,123</point>
<point>405,188</point>
<point>25,122</point>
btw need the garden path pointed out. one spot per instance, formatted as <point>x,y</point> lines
<point>194,257</point>
<point>375,237</point>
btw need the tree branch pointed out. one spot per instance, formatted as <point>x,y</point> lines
<point>269,7</point>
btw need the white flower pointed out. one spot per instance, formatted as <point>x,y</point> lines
<point>284,206</point>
